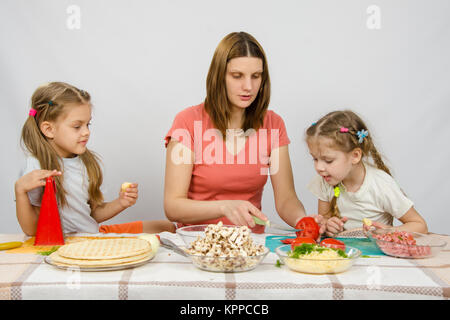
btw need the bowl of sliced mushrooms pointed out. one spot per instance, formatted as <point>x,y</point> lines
<point>222,248</point>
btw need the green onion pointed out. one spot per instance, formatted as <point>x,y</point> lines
<point>307,248</point>
<point>47,253</point>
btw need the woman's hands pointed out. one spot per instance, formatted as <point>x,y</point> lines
<point>240,212</point>
<point>33,180</point>
<point>321,221</point>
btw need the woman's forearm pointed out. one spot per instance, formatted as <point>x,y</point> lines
<point>192,211</point>
<point>291,210</point>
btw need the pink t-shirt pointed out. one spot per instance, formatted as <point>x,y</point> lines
<point>218,174</point>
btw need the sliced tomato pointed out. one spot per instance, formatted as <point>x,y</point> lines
<point>309,226</point>
<point>288,240</point>
<point>300,240</point>
<point>333,243</point>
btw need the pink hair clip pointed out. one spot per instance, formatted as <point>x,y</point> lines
<point>32,112</point>
<point>344,130</point>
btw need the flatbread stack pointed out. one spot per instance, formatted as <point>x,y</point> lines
<point>103,253</point>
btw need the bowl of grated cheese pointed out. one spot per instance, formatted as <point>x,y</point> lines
<point>314,259</point>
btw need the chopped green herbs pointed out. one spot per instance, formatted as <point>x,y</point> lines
<point>278,264</point>
<point>49,252</point>
<point>307,248</point>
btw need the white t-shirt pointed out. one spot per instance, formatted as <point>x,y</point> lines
<point>76,215</point>
<point>379,198</point>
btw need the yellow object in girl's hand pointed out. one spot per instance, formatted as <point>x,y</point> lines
<point>367,222</point>
<point>10,245</point>
<point>125,186</point>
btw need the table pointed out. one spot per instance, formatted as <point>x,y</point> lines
<point>170,276</point>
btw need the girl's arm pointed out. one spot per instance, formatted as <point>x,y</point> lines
<point>108,210</point>
<point>287,204</point>
<point>179,208</point>
<point>412,221</point>
<point>27,214</point>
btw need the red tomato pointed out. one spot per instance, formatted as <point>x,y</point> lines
<point>333,243</point>
<point>309,226</point>
<point>288,240</point>
<point>299,240</point>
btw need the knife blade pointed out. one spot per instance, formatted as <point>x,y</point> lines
<point>271,224</point>
<point>166,243</point>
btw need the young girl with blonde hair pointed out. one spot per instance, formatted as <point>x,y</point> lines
<point>55,135</point>
<point>349,187</point>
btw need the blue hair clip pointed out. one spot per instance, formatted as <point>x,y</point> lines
<point>314,123</point>
<point>362,134</point>
<point>50,103</point>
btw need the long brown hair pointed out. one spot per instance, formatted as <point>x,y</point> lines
<point>51,101</point>
<point>234,45</point>
<point>330,126</point>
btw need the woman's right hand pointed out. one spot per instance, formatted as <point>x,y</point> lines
<point>240,212</point>
<point>34,179</point>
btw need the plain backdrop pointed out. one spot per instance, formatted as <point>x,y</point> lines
<point>144,61</point>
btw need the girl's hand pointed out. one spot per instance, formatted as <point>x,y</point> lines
<point>129,196</point>
<point>376,225</point>
<point>240,212</point>
<point>335,226</point>
<point>34,179</point>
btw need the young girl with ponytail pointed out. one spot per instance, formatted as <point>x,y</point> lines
<point>55,135</point>
<point>349,186</point>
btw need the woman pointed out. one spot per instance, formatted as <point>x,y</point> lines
<point>219,152</point>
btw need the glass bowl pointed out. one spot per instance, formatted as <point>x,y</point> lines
<point>225,264</point>
<point>426,245</point>
<point>190,233</point>
<point>316,265</point>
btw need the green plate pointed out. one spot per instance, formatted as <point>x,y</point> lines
<point>366,246</point>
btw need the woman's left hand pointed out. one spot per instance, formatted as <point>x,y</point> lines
<point>321,221</point>
<point>129,196</point>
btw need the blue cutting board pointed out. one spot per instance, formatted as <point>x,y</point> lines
<point>366,246</point>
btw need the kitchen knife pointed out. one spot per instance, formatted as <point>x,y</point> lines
<point>271,224</point>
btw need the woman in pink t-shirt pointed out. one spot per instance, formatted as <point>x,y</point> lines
<point>220,152</point>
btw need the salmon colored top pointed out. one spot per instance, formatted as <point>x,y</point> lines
<point>219,174</point>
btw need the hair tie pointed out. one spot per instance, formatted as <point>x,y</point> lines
<point>337,192</point>
<point>32,112</point>
<point>313,124</point>
<point>50,103</point>
<point>362,134</point>
<point>344,129</point>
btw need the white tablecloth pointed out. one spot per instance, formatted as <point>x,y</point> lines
<point>171,276</point>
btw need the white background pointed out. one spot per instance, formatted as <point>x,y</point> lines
<point>144,61</point>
